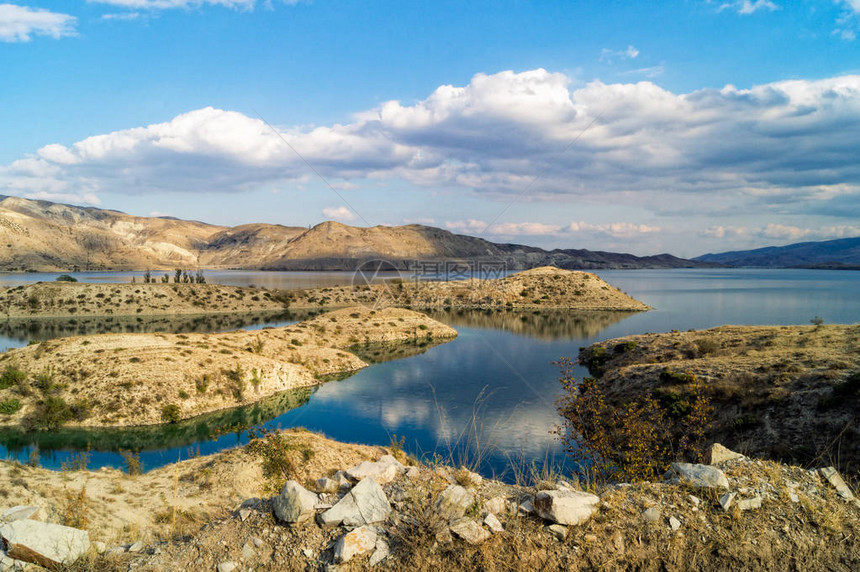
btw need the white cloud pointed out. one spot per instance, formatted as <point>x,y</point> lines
<point>609,56</point>
<point>21,23</point>
<point>781,233</point>
<point>125,16</point>
<point>776,148</point>
<point>749,6</point>
<point>170,4</point>
<point>339,213</point>
<point>854,5</point>
<point>614,229</point>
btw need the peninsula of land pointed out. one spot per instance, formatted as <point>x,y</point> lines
<point>144,379</point>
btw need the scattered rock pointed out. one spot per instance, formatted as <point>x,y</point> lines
<point>248,551</point>
<point>470,531</point>
<point>699,476</point>
<point>695,500</point>
<point>493,523</point>
<point>674,523</point>
<point>48,545</point>
<point>726,500</point>
<point>227,566</point>
<point>244,513</point>
<point>652,514</point>
<point>358,541</point>
<point>366,503</point>
<point>453,502</point>
<point>100,547</point>
<point>380,553</point>
<point>496,505</point>
<point>565,507</point>
<point>749,504</point>
<point>295,504</point>
<point>472,479</point>
<point>526,507</point>
<point>136,547</point>
<point>384,470</point>
<point>327,485</point>
<point>413,472</point>
<point>832,476</point>
<point>558,530</point>
<point>20,512</point>
<point>718,454</point>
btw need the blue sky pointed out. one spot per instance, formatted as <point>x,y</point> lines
<point>682,127</point>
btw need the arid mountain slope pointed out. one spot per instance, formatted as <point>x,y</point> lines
<point>45,236</point>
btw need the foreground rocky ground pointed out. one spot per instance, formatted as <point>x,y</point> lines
<point>782,392</point>
<point>544,287</point>
<point>341,511</point>
<point>144,379</point>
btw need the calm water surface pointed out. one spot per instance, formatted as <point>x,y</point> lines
<point>494,385</point>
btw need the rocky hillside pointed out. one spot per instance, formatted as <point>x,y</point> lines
<point>45,236</point>
<point>144,379</point>
<point>783,392</point>
<point>545,287</point>
<point>840,253</point>
<point>342,510</point>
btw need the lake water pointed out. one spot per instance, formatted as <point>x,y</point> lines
<point>490,393</point>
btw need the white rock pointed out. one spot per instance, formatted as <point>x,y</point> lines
<point>295,504</point>
<point>558,530</point>
<point>652,514</point>
<point>695,500</point>
<point>136,547</point>
<point>327,485</point>
<point>244,513</point>
<point>726,500</point>
<point>719,454</point>
<point>100,547</point>
<point>701,476</point>
<point>413,472</point>
<point>674,523</point>
<point>749,504</point>
<point>385,470</point>
<point>20,512</point>
<point>793,496</point>
<point>474,479</point>
<point>832,476</point>
<point>351,544</point>
<point>48,545</point>
<point>565,507</point>
<point>496,505</point>
<point>366,503</point>
<point>493,523</point>
<point>248,551</point>
<point>469,530</point>
<point>227,566</point>
<point>380,553</point>
<point>453,502</point>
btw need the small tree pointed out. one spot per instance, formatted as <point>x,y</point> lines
<point>177,275</point>
<point>147,277</point>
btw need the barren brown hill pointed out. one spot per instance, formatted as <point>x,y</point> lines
<point>45,236</point>
<point>786,392</point>
<point>67,299</point>
<point>544,287</point>
<point>144,379</point>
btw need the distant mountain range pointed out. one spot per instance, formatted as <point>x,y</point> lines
<point>46,236</point>
<point>842,253</point>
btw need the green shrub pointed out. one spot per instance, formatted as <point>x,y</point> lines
<point>12,376</point>
<point>278,457</point>
<point>171,413</point>
<point>9,406</point>
<point>50,413</point>
<point>66,278</point>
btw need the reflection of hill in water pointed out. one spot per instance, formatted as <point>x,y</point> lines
<point>201,428</point>
<point>388,351</point>
<point>542,324</point>
<point>40,329</point>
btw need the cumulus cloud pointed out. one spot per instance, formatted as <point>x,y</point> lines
<point>776,148</point>
<point>338,213</point>
<point>21,23</point>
